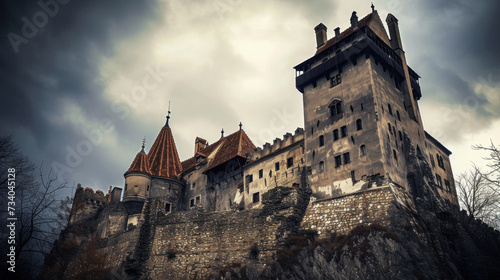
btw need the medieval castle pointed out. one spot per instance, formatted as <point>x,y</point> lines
<point>232,202</point>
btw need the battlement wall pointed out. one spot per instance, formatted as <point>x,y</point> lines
<point>86,204</point>
<point>267,149</point>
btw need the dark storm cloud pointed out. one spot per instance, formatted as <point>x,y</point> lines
<point>454,46</point>
<point>59,65</point>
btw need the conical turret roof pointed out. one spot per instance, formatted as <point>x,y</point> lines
<point>163,157</point>
<point>140,164</point>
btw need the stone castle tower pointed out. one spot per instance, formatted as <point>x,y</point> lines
<point>361,122</point>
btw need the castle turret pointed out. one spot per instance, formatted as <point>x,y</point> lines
<point>137,183</point>
<point>165,167</point>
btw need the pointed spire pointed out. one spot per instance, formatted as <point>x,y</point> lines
<point>222,133</point>
<point>168,116</point>
<point>140,163</point>
<point>143,144</point>
<point>241,125</point>
<point>163,157</point>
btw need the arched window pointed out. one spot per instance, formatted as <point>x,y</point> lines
<point>335,107</point>
<point>321,140</point>
<point>359,124</point>
<point>321,166</point>
<point>362,150</point>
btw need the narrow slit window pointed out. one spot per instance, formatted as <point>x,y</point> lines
<point>321,140</point>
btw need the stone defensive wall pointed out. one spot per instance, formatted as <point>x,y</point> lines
<point>343,213</point>
<point>194,244</point>
<point>278,144</point>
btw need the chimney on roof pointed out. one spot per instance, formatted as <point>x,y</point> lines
<point>354,20</point>
<point>392,23</point>
<point>200,144</point>
<point>321,39</point>
<point>337,34</point>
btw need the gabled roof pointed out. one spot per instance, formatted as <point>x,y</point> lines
<point>225,149</point>
<point>163,157</point>
<point>363,22</point>
<point>236,144</point>
<point>140,164</point>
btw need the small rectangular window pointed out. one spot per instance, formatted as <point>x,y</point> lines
<point>289,162</point>
<point>432,161</point>
<point>256,197</point>
<point>359,124</point>
<point>321,140</point>
<point>335,135</point>
<point>347,158</point>
<point>395,155</point>
<point>191,202</point>
<point>193,186</point>
<point>343,131</point>
<point>447,185</point>
<point>261,173</point>
<point>249,178</point>
<point>335,80</point>
<point>438,181</point>
<point>277,166</point>
<point>198,199</point>
<point>338,161</point>
<point>168,207</point>
<point>390,108</point>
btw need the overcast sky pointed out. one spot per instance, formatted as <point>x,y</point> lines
<point>94,78</point>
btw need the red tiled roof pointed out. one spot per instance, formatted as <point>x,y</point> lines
<point>231,146</point>
<point>140,164</point>
<point>364,21</point>
<point>236,144</point>
<point>163,157</point>
<point>188,163</point>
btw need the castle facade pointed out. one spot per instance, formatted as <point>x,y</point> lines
<point>361,121</point>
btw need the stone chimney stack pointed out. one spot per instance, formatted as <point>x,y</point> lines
<point>199,144</point>
<point>354,20</point>
<point>392,23</point>
<point>337,34</point>
<point>321,39</point>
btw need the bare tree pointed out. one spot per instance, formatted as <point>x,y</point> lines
<point>36,208</point>
<point>493,174</point>
<point>478,197</point>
